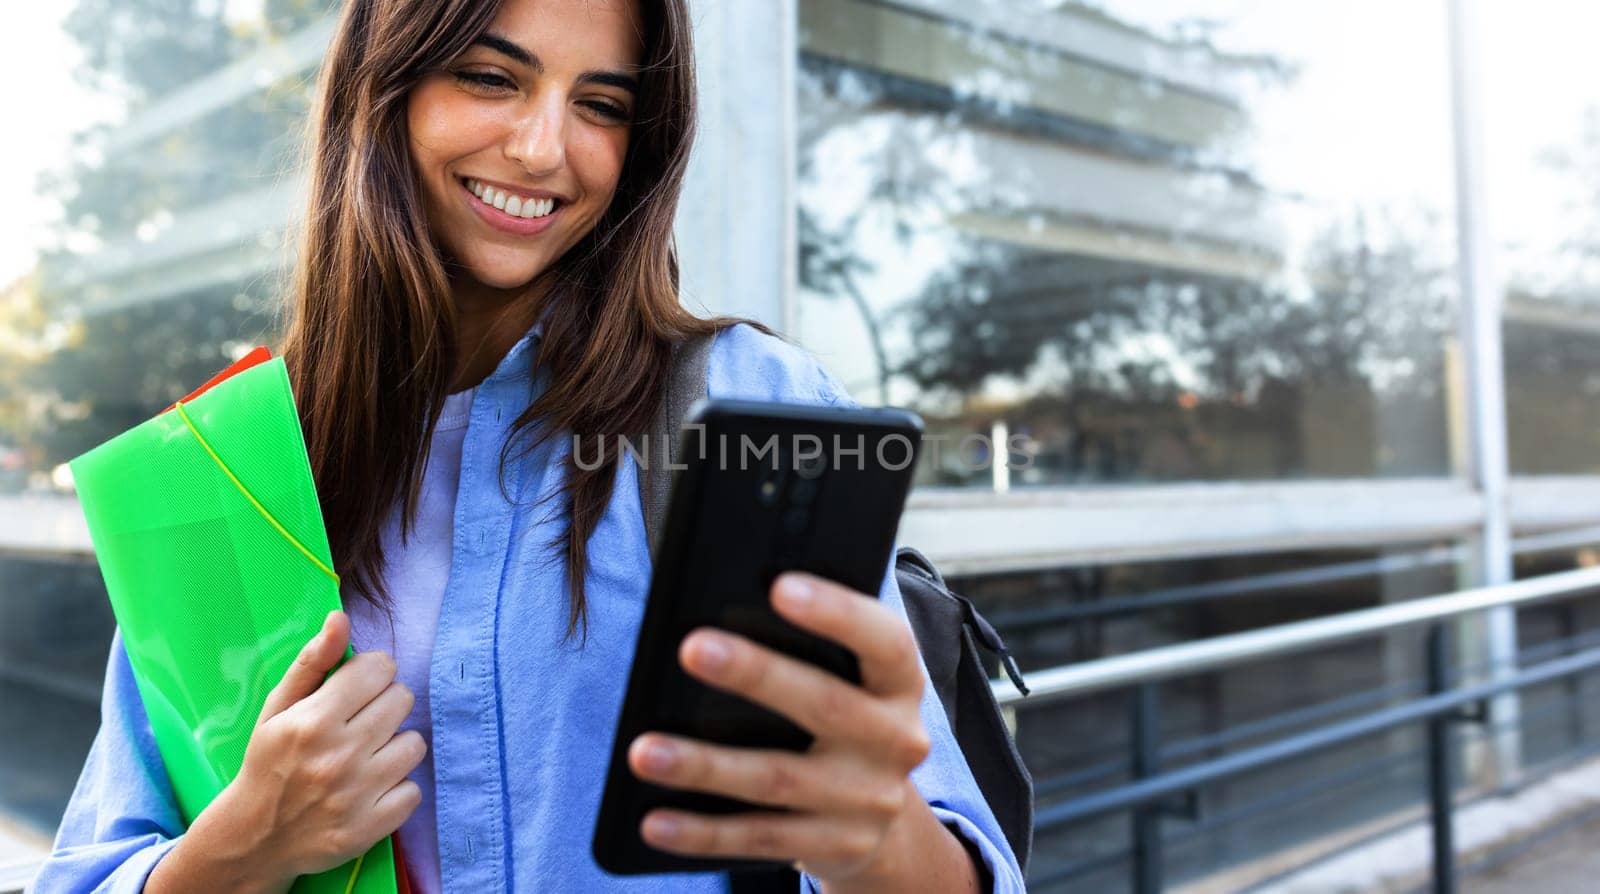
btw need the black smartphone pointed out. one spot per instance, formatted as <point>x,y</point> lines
<point>762,488</point>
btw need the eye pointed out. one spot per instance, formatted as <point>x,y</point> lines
<point>485,81</point>
<point>609,110</point>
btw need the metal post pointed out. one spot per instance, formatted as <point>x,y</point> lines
<point>1441,788</point>
<point>1145,741</point>
<point>1485,374</point>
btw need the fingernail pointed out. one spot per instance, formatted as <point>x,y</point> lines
<point>661,828</point>
<point>796,589</point>
<point>713,651</point>
<point>659,756</point>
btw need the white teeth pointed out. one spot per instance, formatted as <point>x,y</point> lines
<point>514,205</point>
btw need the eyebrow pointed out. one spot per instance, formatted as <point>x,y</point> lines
<point>519,53</point>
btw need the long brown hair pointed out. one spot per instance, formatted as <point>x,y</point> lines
<point>371,341</point>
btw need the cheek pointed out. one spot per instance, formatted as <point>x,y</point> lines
<point>427,116</point>
<point>597,158</point>
<point>443,126</point>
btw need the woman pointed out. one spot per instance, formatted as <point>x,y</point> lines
<point>488,262</point>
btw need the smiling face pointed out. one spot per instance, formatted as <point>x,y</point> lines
<point>518,143</point>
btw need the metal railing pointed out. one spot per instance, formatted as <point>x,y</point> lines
<point>1274,583</point>
<point>1152,793</point>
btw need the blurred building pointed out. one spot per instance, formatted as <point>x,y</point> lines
<point>1214,266</point>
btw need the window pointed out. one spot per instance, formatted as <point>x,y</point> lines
<point>1159,241</point>
<point>1542,125</point>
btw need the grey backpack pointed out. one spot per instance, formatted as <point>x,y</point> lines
<point>951,634</point>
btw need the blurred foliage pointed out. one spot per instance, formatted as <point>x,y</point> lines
<point>23,333</point>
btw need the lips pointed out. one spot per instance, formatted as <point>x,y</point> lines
<point>513,204</point>
<point>494,206</point>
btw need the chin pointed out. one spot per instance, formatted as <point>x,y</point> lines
<point>496,274</point>
<point>505,280</point>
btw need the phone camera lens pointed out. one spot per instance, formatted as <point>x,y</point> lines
<point>810,467</point>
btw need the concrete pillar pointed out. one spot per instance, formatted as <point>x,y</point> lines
<point>735,227</point>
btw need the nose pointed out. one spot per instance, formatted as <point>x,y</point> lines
<point>538,141</point>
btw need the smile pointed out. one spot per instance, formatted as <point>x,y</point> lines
<point>511,203</point>
<point>508,212</point>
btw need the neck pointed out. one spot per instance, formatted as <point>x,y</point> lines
<point>488,322</point>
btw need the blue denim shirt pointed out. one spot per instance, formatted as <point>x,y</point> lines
<point>523,717</point>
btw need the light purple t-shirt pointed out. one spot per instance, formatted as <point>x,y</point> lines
<point>415,575</point>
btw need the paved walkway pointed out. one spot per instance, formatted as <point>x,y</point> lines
<point>1402,862</point>
<point>1568,863</point>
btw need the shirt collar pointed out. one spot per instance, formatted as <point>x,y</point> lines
<point>515,364</point>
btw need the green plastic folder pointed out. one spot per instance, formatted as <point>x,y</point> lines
<point>206,524</point>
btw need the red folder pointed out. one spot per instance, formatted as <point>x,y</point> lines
<point>257,355</point>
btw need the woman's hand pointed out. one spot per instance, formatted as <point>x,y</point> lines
<point>324,775</point>
<point>855,819</point>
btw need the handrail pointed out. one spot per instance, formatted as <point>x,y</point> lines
<point>1153,789</point>
<point>1226,651</point>
<point>1275,582</point>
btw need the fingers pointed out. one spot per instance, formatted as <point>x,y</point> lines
<point>309,668</point>
<point>353,686</point>
<point>394,807</point>
<point>759,835</point>
<point>880,639</point>
<point>824,705</point>
<point>377,722</point>
<point>398,757</point>
<point>769,778</point>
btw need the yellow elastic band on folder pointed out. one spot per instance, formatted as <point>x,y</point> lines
<point>182,414</point>
<point>354,874</point>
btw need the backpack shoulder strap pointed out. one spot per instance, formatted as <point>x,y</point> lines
<point>957,643</point>
<point>686,384</point>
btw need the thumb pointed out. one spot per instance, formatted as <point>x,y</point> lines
<point>319,656</point>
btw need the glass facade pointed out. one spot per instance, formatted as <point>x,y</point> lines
<point>55,629</point>
<point>1164,248</point>
<point>1563,717</point>
<point>1543,131</point>
<point>1209,245</point>
<point>166,242</point>
<point>171,227</point>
